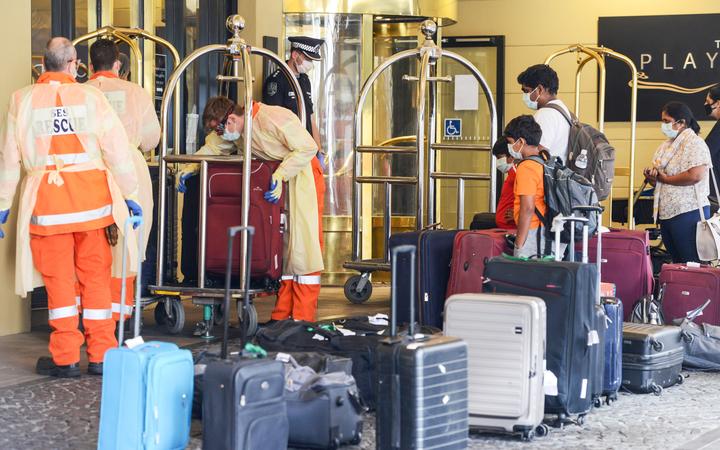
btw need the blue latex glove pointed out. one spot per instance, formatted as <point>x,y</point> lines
<point>182,187</point>
<point>135,210</point>
<point>3,218</point>
<point>276,184</point>
<point>321,160</point>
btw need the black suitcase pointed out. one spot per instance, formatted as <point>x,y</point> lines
<point>483,221</point>
<point>422,384</point>
<point>434,252</point>
<point>652,357</point>
<point>243,406</point>
<point>598,352</point>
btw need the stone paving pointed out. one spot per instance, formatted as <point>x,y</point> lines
<point>63,414</point>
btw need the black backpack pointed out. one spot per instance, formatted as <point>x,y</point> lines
<point>600,168</point>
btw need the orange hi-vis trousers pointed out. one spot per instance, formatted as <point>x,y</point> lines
<point>60,259</point>
<point>116,291</point>
<point>298,294</point>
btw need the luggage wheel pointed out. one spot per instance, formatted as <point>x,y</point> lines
<point>680,379</point>
<point>580,421</point>
<point>170,313</point>
<point>542,430</point>
<point>528,436</point>
<point>610,399</point>
<point>656,389</point>
<point>597,402</point>
<point>249,315</point>
<point>358,288</point>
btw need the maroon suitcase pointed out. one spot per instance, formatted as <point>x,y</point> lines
<point>470,250</point>
<point>626,264</point>
<point>687,288</point>
<point>224,210</point>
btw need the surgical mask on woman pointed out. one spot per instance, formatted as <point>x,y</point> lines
<point>503,166</point>
<point>529,103</point>
<point>668,130</point>
<point>513,153</point>
<point>231,136</point>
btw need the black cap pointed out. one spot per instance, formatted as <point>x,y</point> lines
<point>310,47</point>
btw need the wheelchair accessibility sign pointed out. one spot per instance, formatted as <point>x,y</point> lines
<point>453,128</point>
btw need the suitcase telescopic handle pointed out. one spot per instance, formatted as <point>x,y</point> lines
<point>132,220</point>
<point>232,231</point>
<point>394,253</point>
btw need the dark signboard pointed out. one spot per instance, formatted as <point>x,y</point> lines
<point>160,80</point>
<point>677,57</point>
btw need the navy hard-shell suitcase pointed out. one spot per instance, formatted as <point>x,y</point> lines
<point>612,378</point>
<point>434,252</point>
<point>422,387</point>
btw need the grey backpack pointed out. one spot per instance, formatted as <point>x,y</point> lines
<point>600,168</point>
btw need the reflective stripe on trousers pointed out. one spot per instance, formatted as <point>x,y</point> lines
<point>70,218</point>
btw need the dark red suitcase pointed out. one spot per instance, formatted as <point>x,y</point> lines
<point>626,263</point>
<point>470,251</point>
<point>224,210</point>
<point>687,288</point>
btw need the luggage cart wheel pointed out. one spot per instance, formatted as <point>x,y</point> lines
<point>542,430</point>
<point>358,288</point>
<point>250,315</point>
<point>656,389</point>
<point>171,314</point>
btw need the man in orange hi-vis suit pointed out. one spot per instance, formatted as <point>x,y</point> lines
<point>79,179</point>
<point>137,113</point>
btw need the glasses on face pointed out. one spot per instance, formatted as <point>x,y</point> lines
<point>220,127</point>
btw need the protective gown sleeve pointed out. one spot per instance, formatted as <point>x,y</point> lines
<point>116,150</point>
<point>150,128</point>
<point>9,159</point>
<point>301,144</point>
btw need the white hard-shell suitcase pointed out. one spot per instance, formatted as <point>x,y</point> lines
<point>505,335</point>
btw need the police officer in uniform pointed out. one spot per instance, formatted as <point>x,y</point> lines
<point>277,89</point>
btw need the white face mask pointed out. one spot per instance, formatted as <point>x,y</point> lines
<point>513,153</point>
<point>668,131</point>
<point>305,67</point>
<point>503,166</point>
<point>529,103</point>
<point>231,136</point>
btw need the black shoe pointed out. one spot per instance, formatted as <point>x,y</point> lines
<point>46,366</point>
<point>95,368</point>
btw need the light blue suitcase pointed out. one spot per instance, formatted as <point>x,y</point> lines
<point>147,392</point>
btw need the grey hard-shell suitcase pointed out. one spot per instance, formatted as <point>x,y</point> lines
<point>505,335</point>
<point>652,357</point>
<point>422,384</point>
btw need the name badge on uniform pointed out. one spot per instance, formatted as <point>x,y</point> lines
<point>117,100</point>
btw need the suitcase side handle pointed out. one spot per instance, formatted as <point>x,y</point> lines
<point>232,231</point>
<point>131,220</point>
<point>394,253</point>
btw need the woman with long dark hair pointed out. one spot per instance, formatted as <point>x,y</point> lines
<point>679,173</point>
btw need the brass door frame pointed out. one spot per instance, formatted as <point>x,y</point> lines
<point>598,54</point>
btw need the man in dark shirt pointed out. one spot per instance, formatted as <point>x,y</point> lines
<point>277,90</point>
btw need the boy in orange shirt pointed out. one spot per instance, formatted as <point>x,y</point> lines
<point>523,137</point>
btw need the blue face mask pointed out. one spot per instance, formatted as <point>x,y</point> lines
<point>513,153</point>
<point>230,135</point>
<point>529,103</point>
<point>668,131</point>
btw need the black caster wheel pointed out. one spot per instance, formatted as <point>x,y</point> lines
<point>351,292</point>
<point>542,430</point>
<point>580,420</point>
<point>610,399</point>
<point>680,379</point>
<point>528,436</point>
<point>249,316</point>
<point>657,390</point>
<point>597,403</point>
<point>357,439</point>
<point>171,314</point>
<point>335,444</point>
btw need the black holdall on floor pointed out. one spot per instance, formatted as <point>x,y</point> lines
<point>324,410</point>
<point>422,386</point>
<point>243,406</point>
<point>652,357</point>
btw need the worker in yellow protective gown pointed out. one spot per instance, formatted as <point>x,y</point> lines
<point>79,179</point>
<point>278,135</point>
<point>137,114</point>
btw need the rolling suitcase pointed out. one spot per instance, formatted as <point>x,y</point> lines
<point>434,252</point>
<point>505,335</point>
<point>224,209</point>
<point>626,262</point>
<point>470,251</point>
<point>422,384</point>
<point>569,290</point>
<point>147,389</point>
<point>242,404</point>
<point>652,357</point>
<point>687,287</point>
<point>483,221</point>
<point>612,375</point>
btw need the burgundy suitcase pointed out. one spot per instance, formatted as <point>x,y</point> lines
<point>687,288</point>
<point>224,210</point>
<point>470,251</point>
<point>626,263</point>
